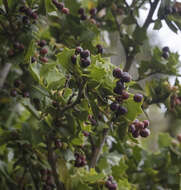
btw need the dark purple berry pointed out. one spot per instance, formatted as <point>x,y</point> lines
<point>83,17</point>
<point>22,9</point>
<point>117,90</point>
<point>34,15</point>
<point>25,20</point>
<point>145,132</point>
<point>44,59</point>
<point>65,11</point>
<point>117,73</point>
<point>74,59</point>
<point>108,183</point>
<point>120,84</point>
<point>60,6</point>
<point>113,186</point>
<point>138,97</point>
<point>33,59</point>
<point>136,134</point>
<point>28,11</point>
<point>85,63</point>
<point>110,178</point>
<point>85,133</point>
<point>17,83</point>
<point>13,93</point>
<point>139,125</point>
<point>42,43</point>
<point>165,55</point>
<point>146,123</point>
<point>165,49</point>
<point>43,51</point>
<point>122,110</point>
<point>114,106</point>
<point>93,11</point>
<point>125,95</point>
<point>81,11</point>
<point>132,128</point>
<point>85,53</point>
<point>125,77</point>
<point>78,50</point>
<point>99,49</point>
<point>26,94</point>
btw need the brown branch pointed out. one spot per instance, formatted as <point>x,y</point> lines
<point>52,162</point>
<point>77,101</point>
<point>98,150</point>
<point>148,20</point>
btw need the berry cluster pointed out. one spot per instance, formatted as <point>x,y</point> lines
<point>110,184</point>
<point>165,52</point>
<point>80,160</point>
<point>29,14</point>
<point>139,128</point>
<point>84,55</point>
<point>83,15</point>
<point>43,51</point>
<point>173,10</point>
<point>61,7</point>
<point>46,176</point>
<point>19,89</point>
<point>17,48</point>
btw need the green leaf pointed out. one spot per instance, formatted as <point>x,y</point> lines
<point>158,24</point>
<point>34,69</point>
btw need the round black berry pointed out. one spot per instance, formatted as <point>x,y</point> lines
<point>113,186</point>
<point>117,90</point>
<point>165,49</point>
<point>83,17</point>
<point>132,128</point>
<point>81,11</point>
<point>138,97</point>
<point>125,77</point>
<point>22,9</point>
<point>42,43</point>
<point>25,20</point>
<point>78,50</point>
<point>120,84</point>
<point>13,93</point>
<point>26,94</point>
<point>28,11</point>
<point>117,73</point>
<point>146,123</point>
<point>93,11</point>
<point>74,59</point>
<point>114,106</point>
<point>145,132</point>
<point>165,55</point>
<point>17,83</point>
<point>136,134</point>
<point>43,51</point>
<point>60,6</point>
<point>85,63</point>
<point>85,133</point>
<point>34,15</point>
<point>33,59</point>
<point>122,110</point>
<point>85,53</point>
<point>125,95</point>
<point>65,11</point>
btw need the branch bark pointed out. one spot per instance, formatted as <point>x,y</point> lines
<point>98,150</point>
<point>52,162</point>
<point>4,73</point>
